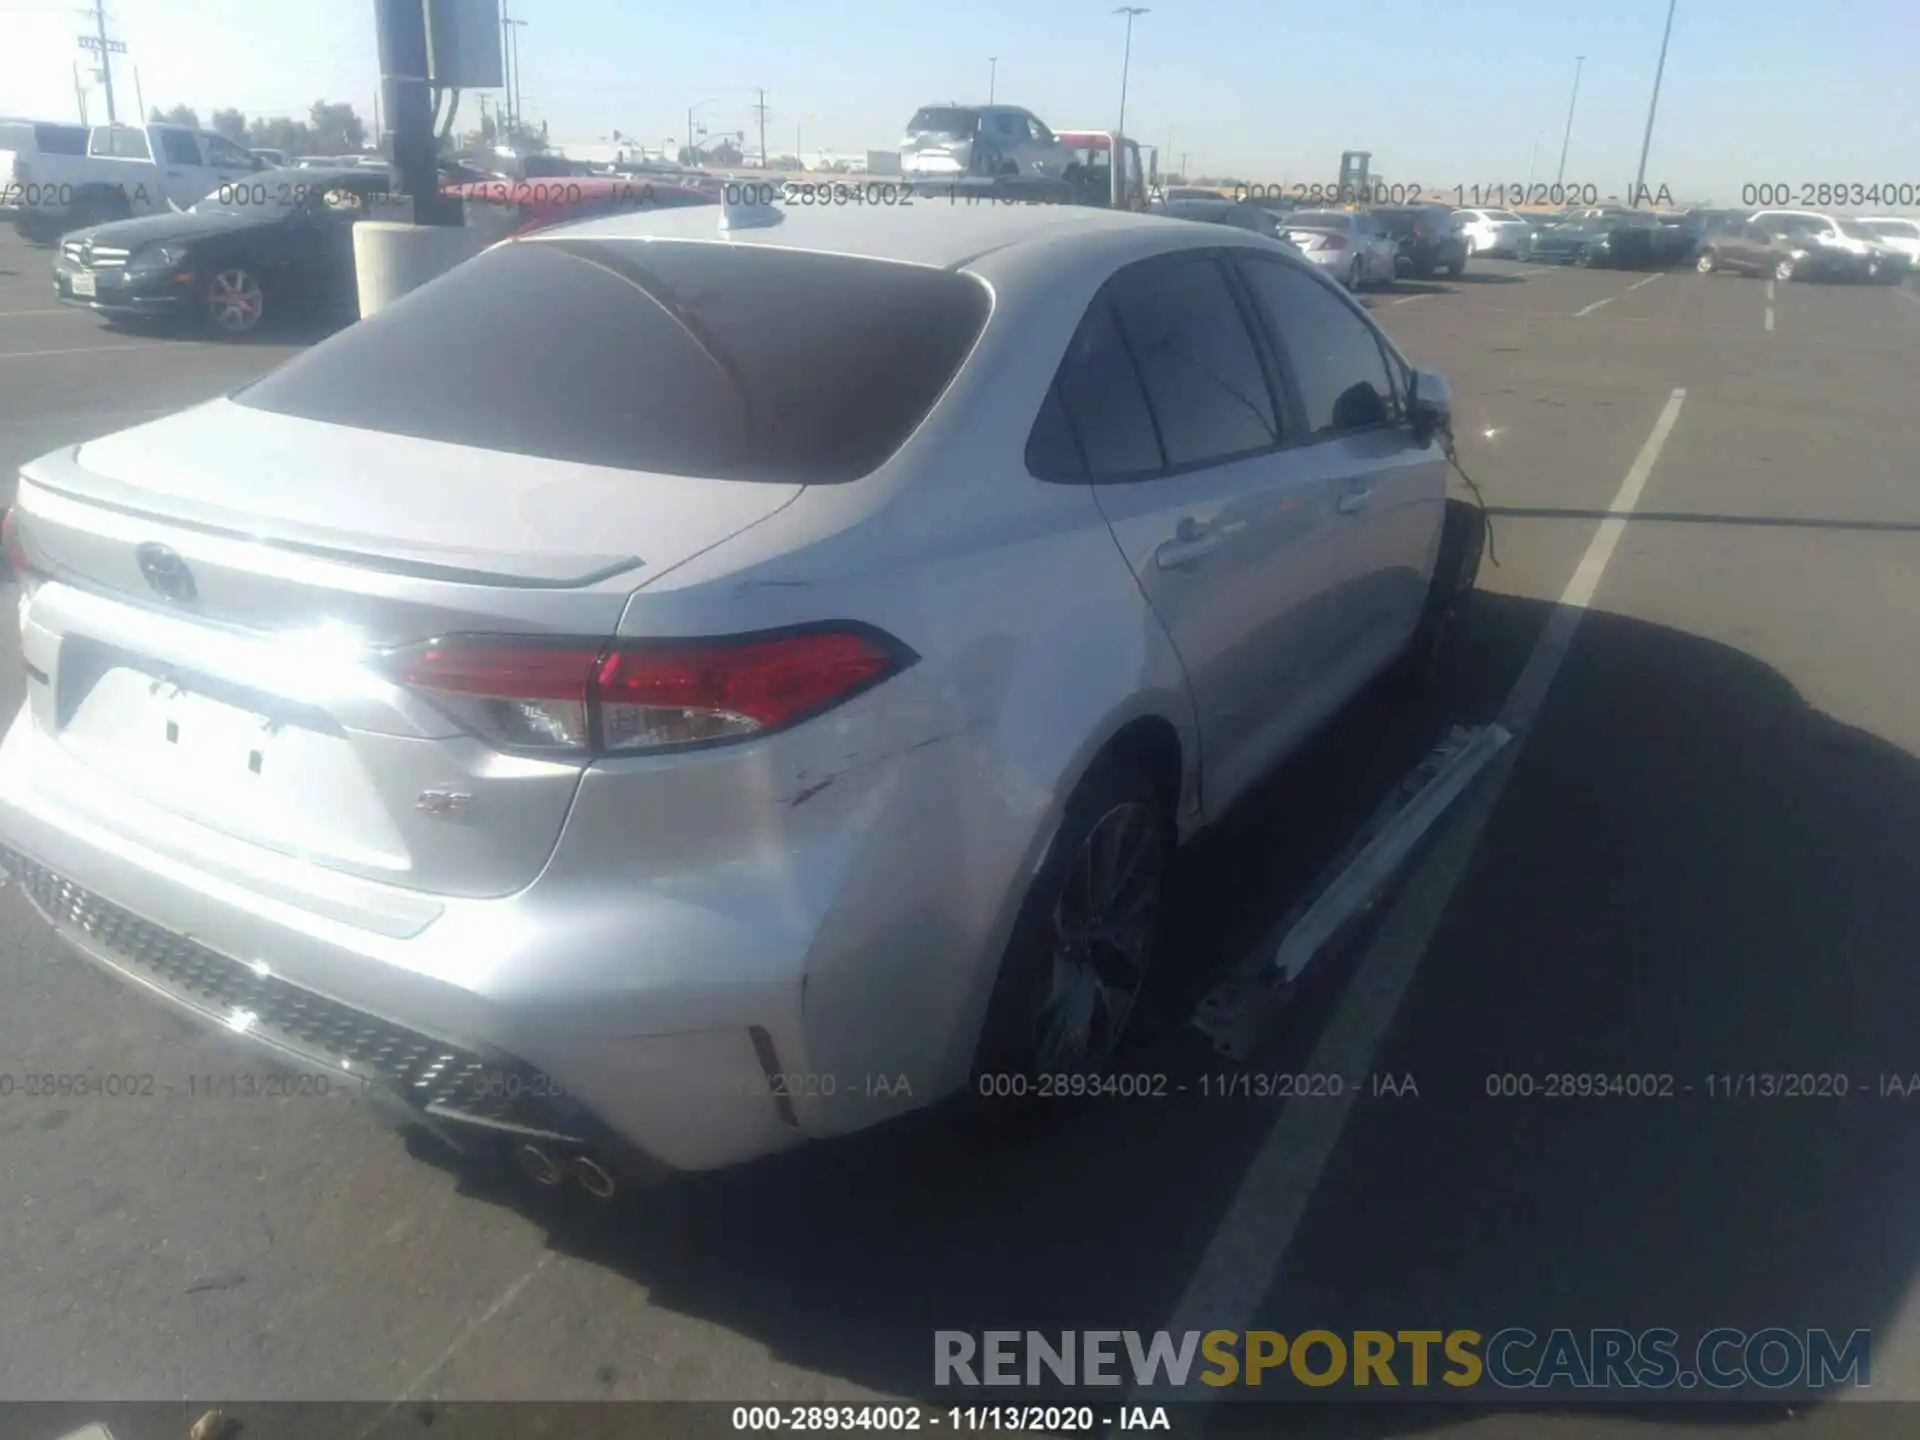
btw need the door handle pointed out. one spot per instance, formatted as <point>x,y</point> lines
<point>1353,502</point>
<point>1191,546</point>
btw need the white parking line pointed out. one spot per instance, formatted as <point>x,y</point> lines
<point>1769,292</point>
<point>1409,299</point>
<point>1243,1259</point>
<point>1769,317</point>
<point>57,310</point>
<point>1906,294</point>
<point>1593,307</point>
<point>1648,281</point>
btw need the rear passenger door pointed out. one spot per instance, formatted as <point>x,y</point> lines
<point>1389,490</point>
<point>1168,403</point>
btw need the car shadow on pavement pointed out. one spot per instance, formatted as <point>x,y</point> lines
<point>1691,871</point>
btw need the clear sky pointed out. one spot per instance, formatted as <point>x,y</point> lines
<point>1441,92</point>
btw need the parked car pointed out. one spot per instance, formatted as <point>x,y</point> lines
<point>1428,237</point>
<point>1779,251</point>
<point>943,141</point>
<point>1217,210</point>
<point>1347,245</point>
<point>127,170</point>
<point>1902,234</point>
<point>22,182</point>
<point>1495,232</point>
<point>280,239</point>
<point>1877,260</point>
<point>1618,238</point>
<point>782,722</point>
<point>499,209</point>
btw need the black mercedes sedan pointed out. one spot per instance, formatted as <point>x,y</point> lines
<point>275,242</point>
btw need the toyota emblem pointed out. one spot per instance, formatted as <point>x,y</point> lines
<point>167,573</point>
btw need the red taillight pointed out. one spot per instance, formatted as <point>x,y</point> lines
<point>583,698</point>
<point>11,545</point>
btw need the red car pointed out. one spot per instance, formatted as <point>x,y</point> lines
<point>504,208</point>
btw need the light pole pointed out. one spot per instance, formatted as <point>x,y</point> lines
<point>993,71</point>
<point>1640,176</point>
<point>1126,60</point>
<point>516,116</point>
<point>1579,62</point>
<point>1532,158</point>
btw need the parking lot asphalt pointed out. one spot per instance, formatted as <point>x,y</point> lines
<point>1695,863</point>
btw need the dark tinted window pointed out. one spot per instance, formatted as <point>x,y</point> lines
<point>1211,212</point>
<point>735,362</point>
<point>179,148</point>
<point>60,139</point>
<point>1322,219</point>
<point>1100,389</point>
<point>1196,358</point>
<point>1338,365</point>
<point>1053,451</point>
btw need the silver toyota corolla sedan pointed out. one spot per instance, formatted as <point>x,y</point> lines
<point>660,693</point>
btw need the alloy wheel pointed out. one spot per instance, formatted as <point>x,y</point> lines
<point>1705,263</point>
<point>235,301</point>
<point>1784,270</point>
<point>1102,938</point>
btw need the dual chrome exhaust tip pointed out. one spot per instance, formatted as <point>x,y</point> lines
<point>545,1168</point>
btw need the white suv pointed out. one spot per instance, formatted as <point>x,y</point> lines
<point>1903,235</point>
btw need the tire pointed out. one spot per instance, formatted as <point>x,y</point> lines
<point>1706,264</point>
<point>233,301</point>
<point>1785,270</point>
<point>1463,539</point>
<point>1061,1005</point>
<point>1583,258</point>
<point>1457,269</point>
<point>1355,276</point>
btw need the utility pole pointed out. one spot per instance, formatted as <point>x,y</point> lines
<point>79,93</point>
<point>761,109</point>
<point>409,107</point>
<point>519,115</point>
<point>106,56</point>
<point>1126,62</point>
<point>139,99</point>
<point>993,73</point>
<point>1579,62</point>
<point>1640,176</point>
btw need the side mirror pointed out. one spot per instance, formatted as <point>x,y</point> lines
<point>1429,405</point>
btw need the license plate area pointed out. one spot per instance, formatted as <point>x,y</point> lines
<point>85,285</point>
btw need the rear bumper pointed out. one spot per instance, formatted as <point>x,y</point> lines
<point>655,1015</point>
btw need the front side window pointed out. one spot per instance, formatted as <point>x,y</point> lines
<point>228,155</point>
<point>1338,365</point>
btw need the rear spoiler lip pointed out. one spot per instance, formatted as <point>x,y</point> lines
<point>527,572</point>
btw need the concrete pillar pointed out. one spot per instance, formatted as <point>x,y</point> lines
<point>390,258</point>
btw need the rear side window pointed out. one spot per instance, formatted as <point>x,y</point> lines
<point>60,139</point>
<point>729,362</point>
<point>1103,405</point>
<point>1197,360</point>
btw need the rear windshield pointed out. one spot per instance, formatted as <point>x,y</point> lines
<point>1894,229</point>
<point>941,120</point>
<point>1401,222</point>
<point>1320,219</point>
<point>733,362</point>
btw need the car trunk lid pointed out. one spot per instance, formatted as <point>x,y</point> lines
<point>210,595</point>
